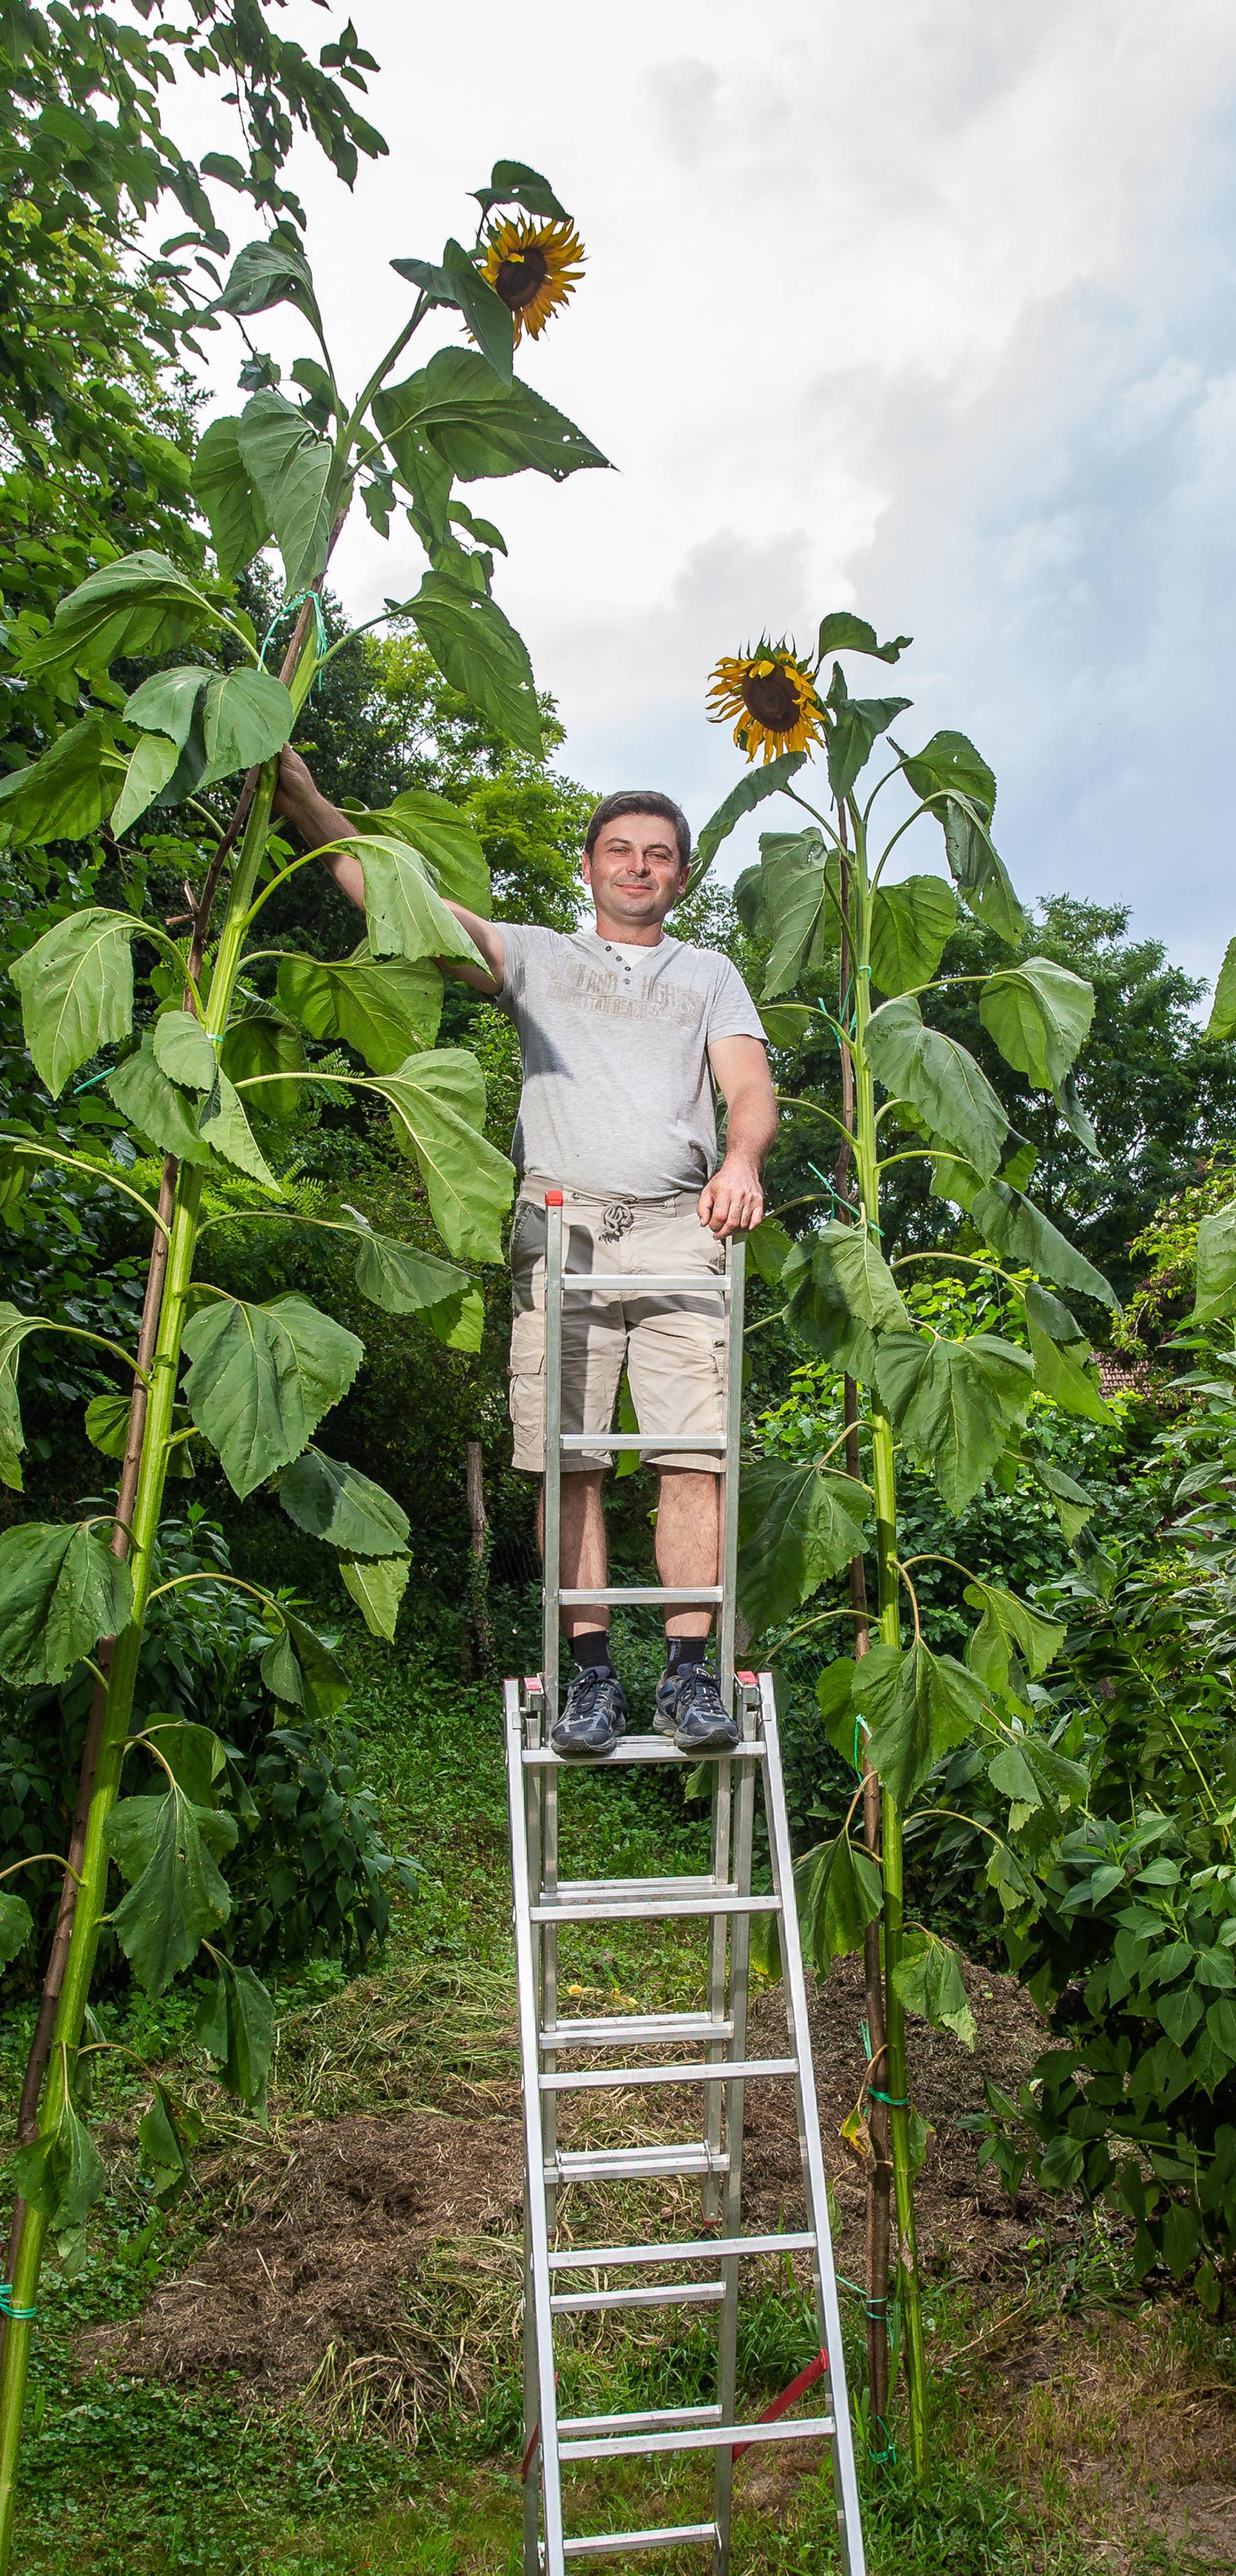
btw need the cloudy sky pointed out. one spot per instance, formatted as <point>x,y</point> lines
<point>924,309</point>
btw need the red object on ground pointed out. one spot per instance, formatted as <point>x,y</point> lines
<point>782,2404</point>
<point>553,1198</point>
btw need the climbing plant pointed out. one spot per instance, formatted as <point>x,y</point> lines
<point>201,1069</point>
<point>852,951</point>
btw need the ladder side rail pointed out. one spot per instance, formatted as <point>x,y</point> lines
<point>722,1810</point>
<point>736,2007</point>
<point>552,1490</point>
<point>541,2318</point>
<point>533,1801</point>
<point>727,1571</point>
<point>828,2308</point>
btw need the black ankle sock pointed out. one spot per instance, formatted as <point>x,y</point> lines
<point>685,1650</point>
<point>591,1647</point>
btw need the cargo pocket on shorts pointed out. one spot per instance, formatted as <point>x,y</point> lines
<point>527,1390</point>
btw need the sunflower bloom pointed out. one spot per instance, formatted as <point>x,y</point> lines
<point>534,267</point>
<point>773,698</point>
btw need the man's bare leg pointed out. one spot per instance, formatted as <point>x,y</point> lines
<point>688,1542</point>
<point>583,1559</point>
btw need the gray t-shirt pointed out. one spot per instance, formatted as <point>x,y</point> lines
<point>618,1093</point>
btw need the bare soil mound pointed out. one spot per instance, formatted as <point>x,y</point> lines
<point>316,2292</point>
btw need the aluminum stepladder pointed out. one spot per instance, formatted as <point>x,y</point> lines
<point>703,2271</point>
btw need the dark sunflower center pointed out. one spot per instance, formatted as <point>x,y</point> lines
<point>519,280</point>
<point>772,700</point>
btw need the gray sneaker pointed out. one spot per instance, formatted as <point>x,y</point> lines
<point>691,1709</point>
<point>594,1713</point>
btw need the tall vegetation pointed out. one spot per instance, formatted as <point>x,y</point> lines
<point>202,1066</point>
<point>855,954</point>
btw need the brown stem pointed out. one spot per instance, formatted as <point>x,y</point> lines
<point>476,1637</point>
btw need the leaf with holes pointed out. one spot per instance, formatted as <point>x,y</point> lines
<point>260,1379</point>
<point>165,1848</point>
<point>797,1524</point>
<point>478,425</point>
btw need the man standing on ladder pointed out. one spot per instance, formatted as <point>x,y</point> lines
<point>626,1035</point>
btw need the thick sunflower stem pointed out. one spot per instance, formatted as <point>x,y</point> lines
<point>883,1467</point>
<point>122,1679</point>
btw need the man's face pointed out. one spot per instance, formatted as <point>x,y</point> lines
<point>634,870</point>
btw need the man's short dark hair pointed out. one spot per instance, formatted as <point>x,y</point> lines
<point>640,800</point>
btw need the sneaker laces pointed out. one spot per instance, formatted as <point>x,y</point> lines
<point>698,1686</point>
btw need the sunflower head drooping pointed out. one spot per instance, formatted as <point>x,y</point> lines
<point>534,267</point>
<point>773,698</point>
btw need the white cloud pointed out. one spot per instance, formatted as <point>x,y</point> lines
<point>915,308</point>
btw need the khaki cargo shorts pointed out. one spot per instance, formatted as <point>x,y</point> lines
<point>673,1347</point>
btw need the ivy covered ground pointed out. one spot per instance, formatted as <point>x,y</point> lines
<point>1080,2423</point>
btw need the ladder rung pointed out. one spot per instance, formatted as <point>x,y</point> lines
<point>721,2437</point>
<point>602,2078</point>
<point>603,2544</point>
<point>641,1594</point>
<point>648,1283</point>
<point>656,2419</point>
<point>636,1748</point>
<point>577,1440</point>
<point>635,2030</point>
<point>667,2294</point>
<point>654,1909</point>
<point>701,2249</point>
<point>699,1883</point>
<point>635,2164</point>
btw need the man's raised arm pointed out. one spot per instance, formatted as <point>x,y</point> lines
<point>317,822</point>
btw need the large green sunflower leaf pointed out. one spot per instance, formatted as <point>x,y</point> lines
<point>797,1524</point>
<point>236,2025</point>
<point>918,1706</point>
<point>68,792</point>
<point>61,1589</point>
<point>929,1982</point>
<point>1216,1267</point>
<point>138,605</point>
<point>60,2174</point>
<point>978,871</point>
<point>910,924</point>
<point>402,1279</point>
<point>377,1585</point>
<point>841,1295</point>
<point>455,281</point>
<point>225,1128</point>
<point>437,1104</point>
<point>385,1008</point>
<point>800,903</point>
<point>949,762</point>
<point>270,272</point>
<point>298,1666</point>
<point>1222,1021</point>
<point>156,1106</point>
<point>480,426</point>
<point>856,727</point>
<point>1061,1355</point>
<point>223,489</point>
<point>1039,1015</point>
<point>749,792</point>
<point>260,1043</point>
<point>1021,1233</point>
<point>165,1848</point>
<point>76,989</point>
<point>954,1403</point>
<point>16,1926</point>
<point>1009,1628</point>
<point>167,701</point>
<point>291,468</point>
<point>406,917</point>
<point>940,1079</point>
<point>261,1378</point>
<point>152,762</point>
<point>477,649</point>
<point>837,1897</point>
<point>183,1051</point>
<point>247,717</point>
<point>335,1502</point>
<point>843,632</point>
<point>444,837</point>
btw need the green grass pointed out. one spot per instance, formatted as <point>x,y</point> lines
<point>124,2477</point>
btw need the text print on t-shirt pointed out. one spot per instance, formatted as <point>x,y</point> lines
<point>578,987</point>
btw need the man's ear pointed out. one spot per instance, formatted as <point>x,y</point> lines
<point>585,863</point>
